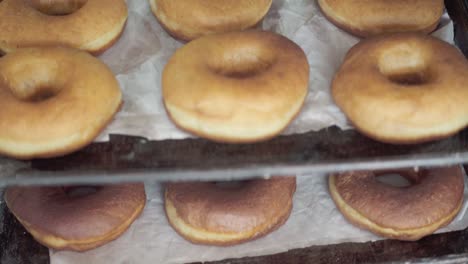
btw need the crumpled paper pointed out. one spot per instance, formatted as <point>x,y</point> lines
<point>314,220</point>
<point>138,60</point>
<point>139,57</point>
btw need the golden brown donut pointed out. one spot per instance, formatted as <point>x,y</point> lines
<point>410,213</point>
<point>94,27</point>
<point>190,19</point>
<point>236,87</point>
<point>62,220</point>
<point>366,18</point>
<point>404,88</point>
<point>54,101</point>
<point>205,213</point>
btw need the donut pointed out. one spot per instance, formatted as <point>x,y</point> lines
<point>403,88</point>
<point>431,202</point>
<point>54,101</point>
<point>365,18</point>
<point>188,20</point>
<point>93,25</point>
<point>222,215</point>
<point>64,219</point>
<point>236,87</point>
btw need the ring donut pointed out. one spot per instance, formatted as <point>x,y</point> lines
<point>54,101</point>
<point>64,219</point>
<point>206,213</point>
<point>403,88</point>
<point>366,18</point>
<point>94,27</point>
<point>236,87</point>
<point>431,202</point>
<point>187,20</point>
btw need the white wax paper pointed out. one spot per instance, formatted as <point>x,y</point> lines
<point>314,221</point>
<point>139,57</point>
<point>138,60</point>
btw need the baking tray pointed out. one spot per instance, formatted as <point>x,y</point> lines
<point>125,158</point>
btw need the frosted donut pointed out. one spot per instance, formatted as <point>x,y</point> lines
<point>431,202</point>
<point>404,88</point>
<point>64,219</point>
<point>205,213</point>
<point>93,27</point>
<point>366,18</point>
<point>54,101</point>
<point>187,20</point>
<point>236,87</point>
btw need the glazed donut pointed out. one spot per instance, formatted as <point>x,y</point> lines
<point>205,213</point>
<point>94,27</point>
<point>62,219</point>
<point>366,18</point>
<point>236,87</point>
<point>54,101</point>
<point>403,88</point>
<point>409,213</point>
<point>187,20</point>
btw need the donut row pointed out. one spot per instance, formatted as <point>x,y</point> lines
<point>235,87</point>
<point>93,25</point>
<point>222,214</point>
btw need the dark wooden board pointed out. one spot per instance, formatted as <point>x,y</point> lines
<point>126,158</point>
<point>16,245</point>
<point>458,11</point>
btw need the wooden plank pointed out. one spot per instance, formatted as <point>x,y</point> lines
<point>16,245</point>
<point>133,158</point>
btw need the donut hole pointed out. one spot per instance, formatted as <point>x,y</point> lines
<point>241,62</point>
<point>80,191</point>
<point>404,65</point>
<point>409,78</point>
<point>57,7</point>
<point>41,95</point>
<point>35,94</point>
<point>394,180</point>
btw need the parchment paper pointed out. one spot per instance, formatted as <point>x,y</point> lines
<point>138,59</point>
<point>314,221</point>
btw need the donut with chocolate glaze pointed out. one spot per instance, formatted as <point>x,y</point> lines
<point>432,201</point>
<point>206,213</point>
<point>65,219</point>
